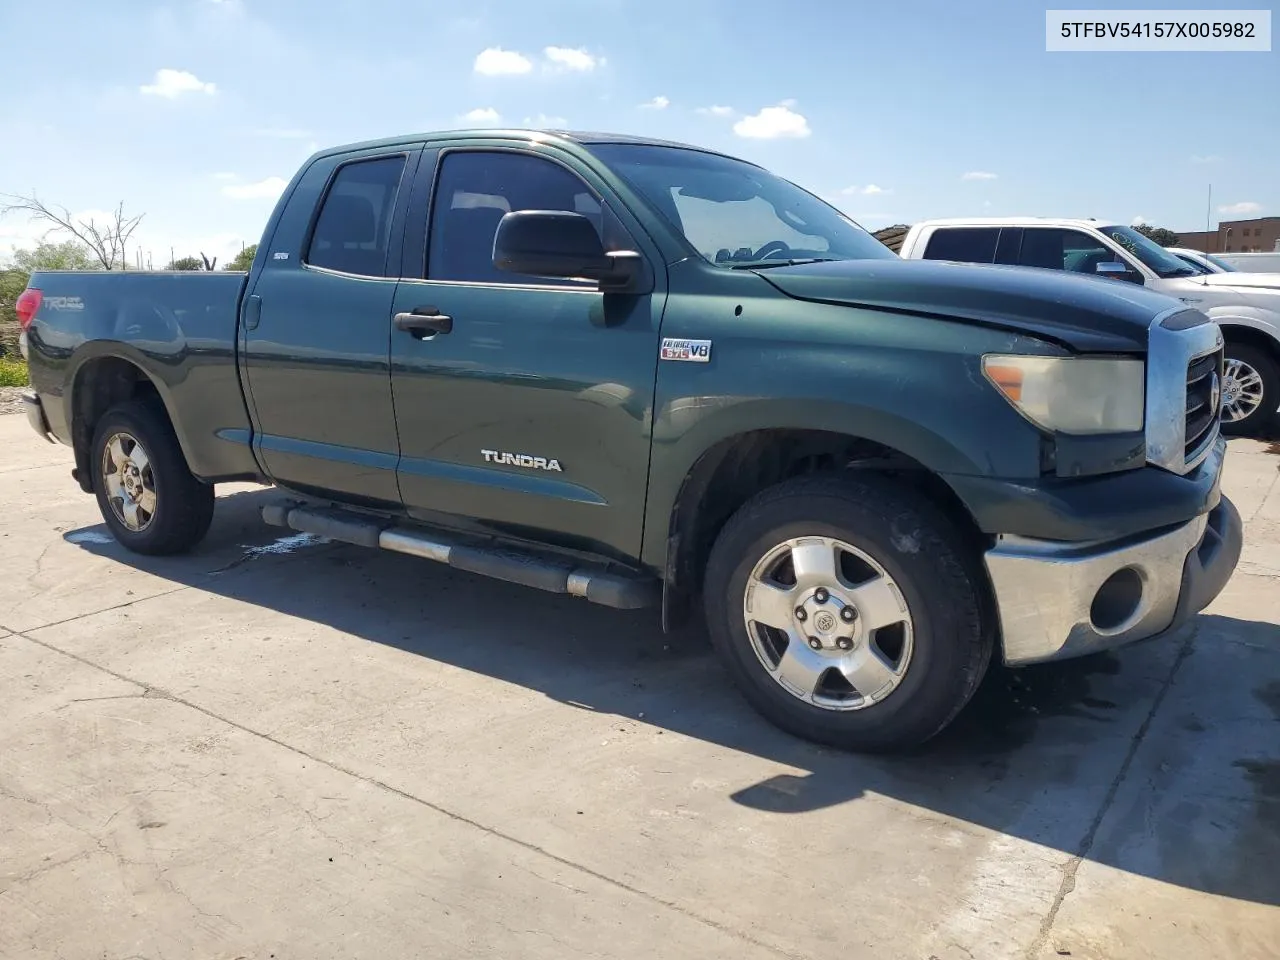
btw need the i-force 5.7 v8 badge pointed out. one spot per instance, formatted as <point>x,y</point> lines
<point>692,351</point>
<point>521,460</point>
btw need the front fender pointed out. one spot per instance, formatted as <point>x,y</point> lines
<point>1261,319</point>
<point>912,384</point>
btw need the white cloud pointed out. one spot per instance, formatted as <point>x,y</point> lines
<point>545,122</point>
<point>1209,158</point>
<point>870,190</point>
<point>496,62</point>
<point>268,189</point>
<point>482,115</point>
<point>568,58</point>
<point>716,111</point>
<point>172,84</point>
<point>1138,221</point>
<point>657,103</point>
<point>774,123</point>
<point>978,175</point>
<point>1244,207</point>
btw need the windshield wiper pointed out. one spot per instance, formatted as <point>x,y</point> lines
<point>766,264</point>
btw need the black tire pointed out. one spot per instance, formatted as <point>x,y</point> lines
<point>919,548</point>
<point>183,504</point>
<point>1264,416</point>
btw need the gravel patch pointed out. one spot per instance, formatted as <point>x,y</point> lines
<point>11,400</point>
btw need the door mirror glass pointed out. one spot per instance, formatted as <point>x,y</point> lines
<point>556,243</point>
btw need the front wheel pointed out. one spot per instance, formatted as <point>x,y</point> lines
<point>1250,389</point>
<point>147,495</point>
<point>848,612</point>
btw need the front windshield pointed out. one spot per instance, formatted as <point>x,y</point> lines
<point>1221,264</point>
<point>1154,256</point>
<point>736,214</point>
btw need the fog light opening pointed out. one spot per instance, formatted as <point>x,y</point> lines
<point>1117,601</point>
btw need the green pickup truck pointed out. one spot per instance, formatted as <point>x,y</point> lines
<point>652,375</point>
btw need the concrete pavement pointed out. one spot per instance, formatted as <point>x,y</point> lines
<point>298,749</point>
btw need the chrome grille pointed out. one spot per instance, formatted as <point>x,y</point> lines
<point>1183,356</point>
<point>1204,402</point>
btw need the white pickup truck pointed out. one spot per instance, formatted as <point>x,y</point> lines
<point>1248,313</point>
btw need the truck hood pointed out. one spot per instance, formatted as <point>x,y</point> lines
<point>1250,280</point>
<point>1086,314</point>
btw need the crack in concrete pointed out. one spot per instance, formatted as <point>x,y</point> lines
<point>94,613</point>
<point>1072,866</point>
<point>160,693</point>
<point>44,868</point>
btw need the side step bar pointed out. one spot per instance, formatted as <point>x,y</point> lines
<point>555,574</point>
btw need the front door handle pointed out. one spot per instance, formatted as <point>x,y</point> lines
<point>424,322</point>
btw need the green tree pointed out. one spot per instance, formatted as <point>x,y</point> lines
<point>12,282</point>
<point>186,263</point>
<point>67,255</point>
<point>244,259</point>
<point>1160,235</point>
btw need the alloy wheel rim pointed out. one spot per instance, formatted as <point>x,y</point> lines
<point>1242,390</point>
<point>828,623</point>
<point>130,481</point>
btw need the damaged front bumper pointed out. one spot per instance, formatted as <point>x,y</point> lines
<point>1061,599</point>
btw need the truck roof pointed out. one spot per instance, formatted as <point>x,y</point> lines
<point>1018,222</point>
<point>584,138</point>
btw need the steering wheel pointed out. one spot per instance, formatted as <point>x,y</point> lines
<point>773,246</point>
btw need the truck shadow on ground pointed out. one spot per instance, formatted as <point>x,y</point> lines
<point>1039,754</point>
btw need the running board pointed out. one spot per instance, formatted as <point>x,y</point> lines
<point>552,573</point>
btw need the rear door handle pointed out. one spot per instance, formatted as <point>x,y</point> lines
<point>424,322</point>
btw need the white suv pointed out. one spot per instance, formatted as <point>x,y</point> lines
<point>1248,313</point>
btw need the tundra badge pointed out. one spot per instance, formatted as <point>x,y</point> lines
<point>692,351</point>
<point>521,460</point>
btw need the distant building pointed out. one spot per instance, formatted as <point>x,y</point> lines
<point>1260,235</point>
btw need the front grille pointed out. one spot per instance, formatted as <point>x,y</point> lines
<point>1204,378</point>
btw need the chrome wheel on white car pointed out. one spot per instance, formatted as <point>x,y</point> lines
<point>1250,389</point>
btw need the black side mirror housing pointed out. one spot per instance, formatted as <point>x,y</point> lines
<point>557,243</point>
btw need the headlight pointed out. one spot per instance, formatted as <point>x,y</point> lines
<point>1072,394</point>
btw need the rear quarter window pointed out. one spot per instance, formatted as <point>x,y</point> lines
<point>966,244</point>
<point>353,227</point>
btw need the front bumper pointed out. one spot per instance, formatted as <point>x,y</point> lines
<point>35,416</point>
<point>1058,600</point>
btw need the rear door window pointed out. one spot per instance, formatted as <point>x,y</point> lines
<point>354,226</point>
<point>966,244</point>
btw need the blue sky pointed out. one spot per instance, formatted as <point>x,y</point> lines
<point>197,111</point>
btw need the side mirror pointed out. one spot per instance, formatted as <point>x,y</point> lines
<point>1117,271</point>
<point>556,243</point>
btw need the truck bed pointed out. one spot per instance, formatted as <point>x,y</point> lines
<point>178,326</point>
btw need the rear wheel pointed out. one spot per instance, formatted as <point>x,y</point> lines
<point>848,612</point>
<point>148,498</point>
<point>1250,389</point>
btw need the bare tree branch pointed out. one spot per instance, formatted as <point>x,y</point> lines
<point>108,241</point>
